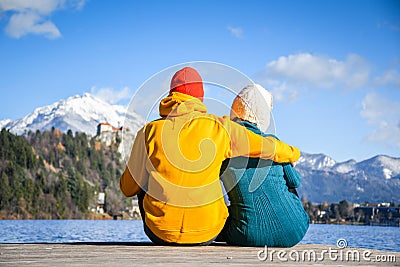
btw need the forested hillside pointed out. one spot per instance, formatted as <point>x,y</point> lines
<point>53,175</point>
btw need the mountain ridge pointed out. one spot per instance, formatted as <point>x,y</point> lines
<point>78,113</point>
<point>375,179</point>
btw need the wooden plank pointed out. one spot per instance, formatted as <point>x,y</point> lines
<point>218,254</point>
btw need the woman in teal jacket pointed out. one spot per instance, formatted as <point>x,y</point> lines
<point>264,207</point>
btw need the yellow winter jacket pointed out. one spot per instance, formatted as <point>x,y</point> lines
<point>177,160</point>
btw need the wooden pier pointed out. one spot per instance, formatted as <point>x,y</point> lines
<point>217,254</point>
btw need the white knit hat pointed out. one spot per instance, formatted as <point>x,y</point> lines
<point>254,104</point>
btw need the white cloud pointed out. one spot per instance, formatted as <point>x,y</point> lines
<point>382,114</point>
<point>43,7</point>
<point>235,31</point>
<point>391,78</point>
<point>78,4</point>
<point>21,24</point>
<point>288,76</point>
<point>31,17</point>
<point>282,93</point>
<point>388,25</point>
<point>320,71</point>
<point>111,95</point>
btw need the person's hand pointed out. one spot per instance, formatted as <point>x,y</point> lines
<point>297,157</point>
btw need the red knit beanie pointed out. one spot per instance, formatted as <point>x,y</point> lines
<point>187,81</point>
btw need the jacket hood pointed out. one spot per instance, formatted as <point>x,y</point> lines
<point>178,104</point>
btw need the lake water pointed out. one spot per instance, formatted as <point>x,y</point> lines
<point>68,231</point>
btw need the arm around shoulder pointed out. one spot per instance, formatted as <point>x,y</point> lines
<point>246,143</point>
<point>284,152</point>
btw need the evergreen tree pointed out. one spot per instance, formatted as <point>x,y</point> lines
<point>61,194</point>
<point>42,182</point>
<point>49,174</point>
<point>5,192</point>
<point>37,193</point>
<point>28,190</point>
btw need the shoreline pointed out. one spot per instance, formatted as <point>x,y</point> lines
<point>106,217</point>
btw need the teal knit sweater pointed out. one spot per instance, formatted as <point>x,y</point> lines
<point>263,211</point>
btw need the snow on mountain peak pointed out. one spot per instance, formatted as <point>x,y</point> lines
<point>3,123</point>
<point>316,161</point>
<point>345,167</point>
<point>381,165</point>
<point>78,113</point>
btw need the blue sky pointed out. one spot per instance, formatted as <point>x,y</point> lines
<point>333,66</point>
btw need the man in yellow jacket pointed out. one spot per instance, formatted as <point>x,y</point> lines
<point>175,162</point>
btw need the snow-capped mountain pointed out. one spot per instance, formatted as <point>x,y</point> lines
<point>78,113</point>
<point>380,166</point>
<point>374,180</point>
<point>4,123</point>
<point>345,167</point>
<point>315,161</point>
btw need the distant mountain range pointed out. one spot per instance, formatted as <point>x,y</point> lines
<point>78,113</point>
<point>373,180</point>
